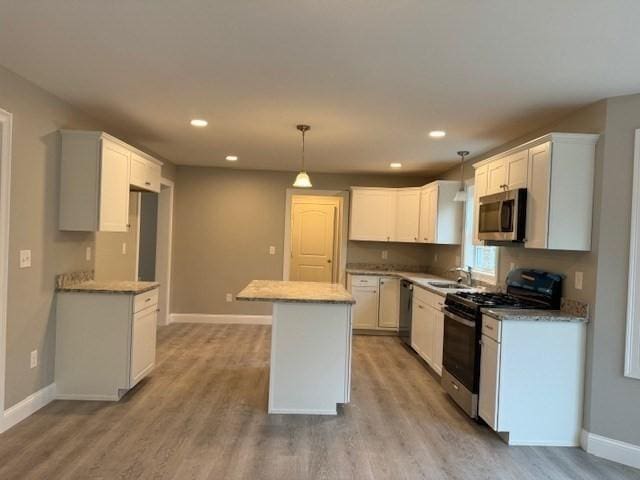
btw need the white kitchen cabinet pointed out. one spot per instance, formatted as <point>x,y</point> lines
<point>105,343</point>
<point>440,215</point>
<point>480,190</point>
<point>377,304</point>
<point>531,380</point>
<point>373,214</point>
<point>557,171</point>
<point>420,320</point>
<point>389,306</point>
<point>428,323</point>
<point>407,215</point>
<point>145,173</point>
<point>437,339</point>
<point>95,175</point>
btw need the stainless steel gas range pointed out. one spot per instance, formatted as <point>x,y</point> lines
<point>463,325</point>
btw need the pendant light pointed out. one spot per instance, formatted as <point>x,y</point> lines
<point>461,195</point>
<point>303,180</point>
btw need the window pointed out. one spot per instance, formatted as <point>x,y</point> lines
<point>482,260</point>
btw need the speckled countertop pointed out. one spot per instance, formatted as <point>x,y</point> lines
<point>295,292</point>
<point>93,286</point>
<point>524,315</point>
<point>419,279</point>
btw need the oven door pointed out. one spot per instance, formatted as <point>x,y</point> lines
<point>461,352</point>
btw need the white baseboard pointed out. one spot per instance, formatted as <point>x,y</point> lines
<point>89,398</point>
<point>219,318</point>
<point>614,450</point>
<point>297,411</point>
<point>28,406</point>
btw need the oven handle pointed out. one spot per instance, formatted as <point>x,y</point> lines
<point>458,318</point>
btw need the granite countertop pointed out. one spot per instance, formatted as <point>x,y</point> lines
<point>417,278</point>
<point>93,286</point>
<point>525,315</point>
<point>295,292</point>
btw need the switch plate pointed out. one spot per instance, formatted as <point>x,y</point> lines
<point>229,297</point>
<point>578,280</point>
<point>385,254</point>
<point>435,257</point>
<point>33,361</point>
<point>124,248</point>
<point>272,250</point>
<point>25,258</point>
<point>512,266</point>
<point>87,254</point>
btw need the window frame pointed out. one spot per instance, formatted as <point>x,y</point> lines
<point>467,236</point>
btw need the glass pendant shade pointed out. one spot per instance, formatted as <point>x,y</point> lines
<point>461,196</point>
<point>302,181</point>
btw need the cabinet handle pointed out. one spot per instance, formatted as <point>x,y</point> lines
<point>488,327</point>
<point>420,306</point>
<point>147,183</point>
<point>148,299</point>
<point>455,387</point>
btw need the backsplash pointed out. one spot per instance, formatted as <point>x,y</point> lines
<point>65,280</point>
<point>389,267</point>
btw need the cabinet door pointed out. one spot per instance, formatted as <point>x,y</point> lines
<point>114,188</point>
<point>428,214</point>
<point>496,176</point>
<point>538,187</point>
<point>143,344</point>
<point>407,215</point>
<point>489,381</point>
<point>372,214</point>
<point>480,189</point>
<point>418,326</point>
<point>427,347</point>
<point>516,165</point>
<point>389,311</point>
<point>437,340</point>
<point>365,310</point>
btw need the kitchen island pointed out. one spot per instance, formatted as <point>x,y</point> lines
<point>310,370</point>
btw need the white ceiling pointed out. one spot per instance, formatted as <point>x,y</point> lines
<point>370,77</point>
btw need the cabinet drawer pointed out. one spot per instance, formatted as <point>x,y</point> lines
<point>491,328</point>
<point>364,281</point>
<point>432,299</point>
<point>145,300</point>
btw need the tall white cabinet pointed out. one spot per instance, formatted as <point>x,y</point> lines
<point>427,330</point>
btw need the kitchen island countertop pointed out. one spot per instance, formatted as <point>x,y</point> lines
<point>295,292</point>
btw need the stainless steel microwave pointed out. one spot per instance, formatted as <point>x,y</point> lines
<point>502,216</point>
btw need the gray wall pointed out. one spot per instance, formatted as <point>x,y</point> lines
<point>611,400</point>
<point>224,222</point>
<point>37,115</point>
<point>148,236</point>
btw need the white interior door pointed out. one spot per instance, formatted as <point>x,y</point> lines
<point>313,242</point>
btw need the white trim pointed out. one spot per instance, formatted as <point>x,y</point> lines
<point>138,226</point>
<point>220,318</point>
<point>614,450</point>
<point>293,411</point>
<point>632,351</point>
<point>343,233</point>
<point>90,398</point>
<point>28,406</point>
<point>6,127</point>
<point>169,238</point>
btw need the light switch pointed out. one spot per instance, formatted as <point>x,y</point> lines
<point>25,258</point>
<point>33,359</point>
<point>435,257</point>
<point>385,254</point>
<point>229,297</point>
<point>124,248</point>
<point>272,250</point>
<point>87,255</point>
<point>512,266</point>
<point>578,281</point>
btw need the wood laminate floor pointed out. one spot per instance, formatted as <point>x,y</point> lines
<point>201,415</point>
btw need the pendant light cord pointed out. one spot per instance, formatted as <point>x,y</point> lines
<point>303,151</point>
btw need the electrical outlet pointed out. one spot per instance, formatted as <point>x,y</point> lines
<point>87,254</point>
<point>385,254</point>
<point>25,258</point>
<point>457,259</point>
<point>229,297</point>
<point>578,280</point>
<point>512,266</point>
<point>272,250</point>
<point>435,257</point>
<point>124,248</point>
<point>34,359</point>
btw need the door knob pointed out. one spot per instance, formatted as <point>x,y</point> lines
<point>328,260</point>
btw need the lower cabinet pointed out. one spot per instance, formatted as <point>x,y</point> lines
<point>427,327</point>
<point>377,304</point>
<point>531,380</point>
<point>105,343</point>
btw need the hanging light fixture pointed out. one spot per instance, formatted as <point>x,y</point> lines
<point>303,180</point>
<point>461,195</point>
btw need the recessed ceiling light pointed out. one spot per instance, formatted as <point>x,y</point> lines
<point>437,133</point>
<point>231,158</point>
<point>395,165</point>
<point>198,122</point>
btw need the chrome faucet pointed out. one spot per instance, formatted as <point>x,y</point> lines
<point>467,271</point>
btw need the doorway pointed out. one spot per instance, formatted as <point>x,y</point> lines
<point>315,240</point>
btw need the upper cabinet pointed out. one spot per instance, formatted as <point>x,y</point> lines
<point>415,215</point>
<point>557,170</point>
<point>95,178</point>
<point>145,173</point>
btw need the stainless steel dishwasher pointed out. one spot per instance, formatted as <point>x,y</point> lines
<point>406,306</point>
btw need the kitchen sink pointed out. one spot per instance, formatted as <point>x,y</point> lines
<point>451,285</point>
